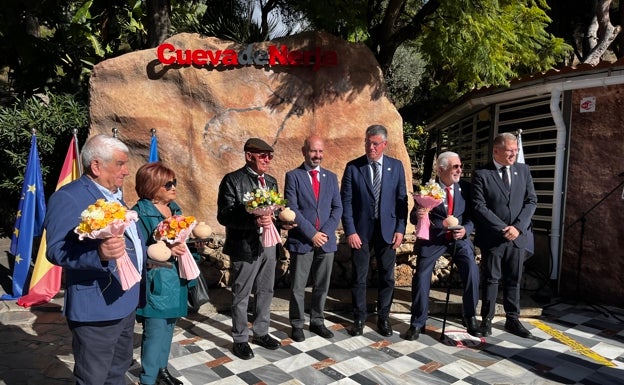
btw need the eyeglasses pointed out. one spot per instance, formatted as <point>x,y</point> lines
<point>456,166</point>
<point>265,155</point>
<point>374,144</point>
<point>171,184</point>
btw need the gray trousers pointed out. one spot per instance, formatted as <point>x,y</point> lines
<point>257,276</point>
<point>319,265</point>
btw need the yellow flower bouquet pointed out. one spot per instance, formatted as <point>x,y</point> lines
<point>428,196</point>
<point>102,220</point>
<point>260,202</point>
<point>177,229</point>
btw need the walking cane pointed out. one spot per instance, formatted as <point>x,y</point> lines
<point>448,290</point>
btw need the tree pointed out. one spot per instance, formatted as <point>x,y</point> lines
<point>586,25</point>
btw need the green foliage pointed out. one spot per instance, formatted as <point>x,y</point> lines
<point>54,117</point>
<point>488,43</point>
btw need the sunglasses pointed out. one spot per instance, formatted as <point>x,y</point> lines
<point>171,184</point>
<point>456,166</point>
<point>264,155</point>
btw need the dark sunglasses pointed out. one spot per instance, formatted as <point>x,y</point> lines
<point>457,166</point>
<point>265,155</point>
<point>171,184</point>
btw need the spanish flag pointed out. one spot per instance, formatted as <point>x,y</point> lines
<point>45,282</point>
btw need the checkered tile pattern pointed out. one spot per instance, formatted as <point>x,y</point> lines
<point>201,353</point>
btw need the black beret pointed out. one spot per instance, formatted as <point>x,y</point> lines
<point>257,145</point>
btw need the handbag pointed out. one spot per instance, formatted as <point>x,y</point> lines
<point>198,294</point>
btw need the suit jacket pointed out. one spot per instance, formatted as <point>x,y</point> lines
<point>298,190</point>
<point>495,208</point>
<point>462,210</point>
<point>94,291</point>
<point>242,241</point>
<point>358,201</point>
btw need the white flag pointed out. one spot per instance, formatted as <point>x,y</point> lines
<point>520,158</point>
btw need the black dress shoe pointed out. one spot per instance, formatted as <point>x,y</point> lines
<point>166,378</point>
<point>267,342</point>
<point>384,328</point>
<point>486,327</point>
<point>472,326</point>
<point>297,335</point>
<point>357,329</point>
<point>242,350</point>
<point>514,326</point>
<point>322,331</point>
<point>412,333</point>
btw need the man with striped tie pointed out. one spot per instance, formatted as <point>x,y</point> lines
<point>374,217</point>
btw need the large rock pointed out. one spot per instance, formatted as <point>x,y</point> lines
<point>204,115</point>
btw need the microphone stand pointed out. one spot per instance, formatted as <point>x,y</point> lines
<point>583,219</point>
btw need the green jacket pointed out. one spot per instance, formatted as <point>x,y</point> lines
<point>166,292</point>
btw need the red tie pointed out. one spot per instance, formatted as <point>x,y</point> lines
<point>315,183</point>
<point>316,188</point>
<point>449,200</point>
<point>261,179</point>
<point>449,209</point>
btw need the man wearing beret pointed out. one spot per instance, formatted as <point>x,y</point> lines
<point>253,265</point>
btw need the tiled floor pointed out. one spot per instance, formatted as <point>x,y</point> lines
<point>589,349</point>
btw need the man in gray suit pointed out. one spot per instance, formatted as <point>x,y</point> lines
<point>312,193</point>
<point>504,201</point>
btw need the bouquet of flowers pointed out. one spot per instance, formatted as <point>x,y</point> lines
<point>103,220</point>
<point>177,229</point>
<point>265,202</point>
<point>429,196</point>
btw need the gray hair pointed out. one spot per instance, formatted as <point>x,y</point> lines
<point>443,159</point>
<point>377,129</point>
<point>101,147</point>
<point>500,139</point>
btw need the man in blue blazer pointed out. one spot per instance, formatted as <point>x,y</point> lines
<point>504,201</point>
<point>374,201</point>
<point>314,196</point>
<point>100,314</point>
<point>441,240</point>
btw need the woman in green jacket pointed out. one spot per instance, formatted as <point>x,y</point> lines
<point>167,293</point>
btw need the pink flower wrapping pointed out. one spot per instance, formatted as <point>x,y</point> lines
<point>270,234</point>
<point>128,274</point>
<point>186,263</point>
<point>428,202</point>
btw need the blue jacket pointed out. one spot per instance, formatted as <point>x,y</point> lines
<point>93,290</point>
<point>358,215</point>
<point>298,191</point>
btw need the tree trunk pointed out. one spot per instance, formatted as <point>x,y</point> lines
<point>158,21</point>
<point>606,32</point>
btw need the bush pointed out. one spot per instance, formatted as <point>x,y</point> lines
<point>53,117</point>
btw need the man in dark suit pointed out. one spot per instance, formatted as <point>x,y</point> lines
<point>504,201</point>
<point>441,240</point>
<point>253,264</point>
<point>100,314</point>
<point>374,201</point>
<point>312,193</point>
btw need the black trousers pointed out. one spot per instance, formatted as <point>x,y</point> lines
<point>502,264</point>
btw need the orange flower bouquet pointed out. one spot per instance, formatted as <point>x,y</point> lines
<point>103,220</point>
<point>429,196</point>
<point>177,229</point>
<point>262,201</point>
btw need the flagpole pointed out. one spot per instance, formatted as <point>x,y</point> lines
<point>115,131</point>
<point>77,149</point>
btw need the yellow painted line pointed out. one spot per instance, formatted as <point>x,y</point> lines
<point>576,346</point>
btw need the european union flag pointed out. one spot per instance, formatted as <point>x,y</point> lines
<point>153,147</point>
<point>29,221</point>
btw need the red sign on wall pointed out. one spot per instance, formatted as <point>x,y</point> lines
<point>316,58</point>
